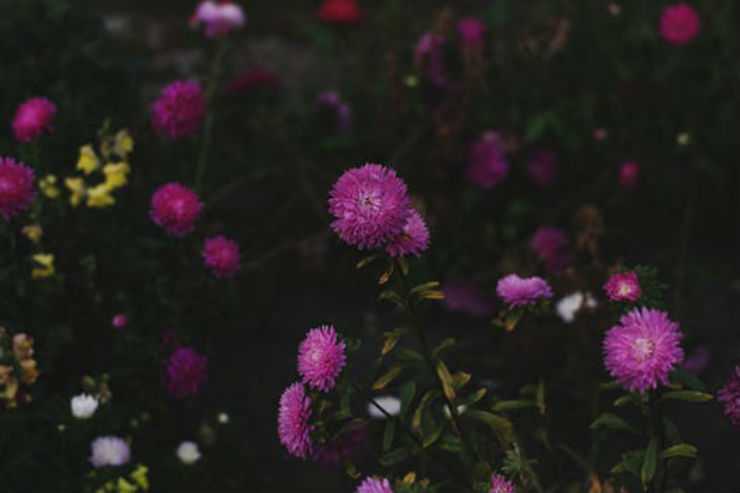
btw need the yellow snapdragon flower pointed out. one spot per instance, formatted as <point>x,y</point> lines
<point>77,188</point>
<point>116,175</point>
<point>123,143</point>
<point>45,266</point>
<point>48,186</point>
<point>126,487</point>
<point>140,477</point>
<point>88,161</point>
<point>33,232</point>
<point>100,196</point>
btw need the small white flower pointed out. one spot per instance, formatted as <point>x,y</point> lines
<point>460,410</point>
<point>188,452</point>
<point>568,307</point>
<point>391,404</point>
<point>223,418</point>
<point>109,451</point>
<point>83,406</point>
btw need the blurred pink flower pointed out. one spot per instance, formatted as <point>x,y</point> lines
<point>429,58</point>
<point>221,256</point>
<point>17,189</point>
<point>179,111</point>
<point>487,164</point>
<point>629,173</point>
<point>186,372</point>
<point>219,18</point>
<point>518,291</point>
<point>32,118</point>
<point>175,208</point>
<point>472,32</point>
<point>340,12</point>
<point>542,168</point>
<point>120,320</point>
<point>679,24</point>
<point>414,239</point>
<point>294,429</point>
<point>623,286</point>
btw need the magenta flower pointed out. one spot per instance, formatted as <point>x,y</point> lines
<point>219,18</point>
<point>179,111</point>
<point>321,357</point>
<point>370,206</point>
<point>375,485</point>
<point>413,241</point>
<point>623,286</point>
<point>120,320</point>
<point>679,24</point>
<point>488,165</point>
<point>221,256</point>
<point>32,118</point>
<point>472,32</point>
<point>429,58</point>
<point>175,208</point>
<point>465,297</point>
<point>551,246</point>
<point>542,168</point>
<point>186,372</point>
<point>629,172</point>
<point>729,395</point>
<point>500,484</point>
<point>293,427</point>
<point>642,349</point>
<point>517,291</point>
<point>17,188</point>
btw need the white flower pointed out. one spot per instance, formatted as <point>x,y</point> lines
<point>391,404</point>
<point>83,406</point>
<point>109,451</point>
<point>569,306</point>
<point>460,410</point>
<point>188,452</point>
<point>223,418</point>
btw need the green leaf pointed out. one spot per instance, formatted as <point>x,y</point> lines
<point>387,378</point>
<point>394,457</point>
<point>680,450</point>
<point>688,396</point>
<point>447,383</point>
<point>391,339</point>
<point>626,399</point>
<point>451,444</point>
<point>501,426</point>
<point>426,398</point>
<point>443,346</point>
<point>408,390</point>
<point>649,464</point>
<point>424,287</point>
<point>366,261</point>
<point>393,297</point>
<point>611,422</point>
<point>540,397</point>
<point>503,406</point>
<point>409,356</point>
<point>431,437</point>
<point>475,397</point>
<point>688,379</point>
<point>389,434</point>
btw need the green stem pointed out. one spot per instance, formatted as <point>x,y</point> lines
<point>655,428</point>
<point>213,80</point>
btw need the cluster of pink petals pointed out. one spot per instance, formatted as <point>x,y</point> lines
<point>429,58</point>
<point>370,206</point>
<point>294,414</point>
<point>551,246</point>
<point>179,111</point>
<point>679,23</point>
<point>488,165</point>
<point>623,286</point>
<point>219,18</point>
<point>629,173</point>
<point>472,32</point>
<point>175,208</point>
<point>221,256</point>
<point>500,484</point>
<point>542,168</point>
<point>375,485</point>
<point>17,188</point>
<point>466,297</point>
<point>340,12</point>
<point>321,358</point>
<point>186,372</point>
<point>729,395</point>
<point>642,349</point>
<point>32,118</point>
<point>518,291</point>
<point>120,321</point>
<point>413,240</point>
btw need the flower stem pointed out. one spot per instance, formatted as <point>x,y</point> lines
<point>655,428</point>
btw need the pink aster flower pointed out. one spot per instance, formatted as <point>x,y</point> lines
<point>429,58</point>
<point>642,349</point>
<point>120,320</point>
<point>472,32</point>
<point>461,296</point>
<point>517,291</point>
<point>629,172</point>
<point>221,256</point>
<point>294,429</point>
<point>179,110</point>
<point>542,168</point>
<point>17,188</point>
<point>175,208</point>
<point>500,484</point>
<point>219,18</point>
<point>551,246</point>
<point>729,395</point>
<point>32,118</point>
<point>321,357</point>
<point>679,23</point>
<point>623,286</point>
<point>488,165</point>
<point>375,485</point>
<point>413,241</point>
<point>186,372</point>
<point>370,205</point>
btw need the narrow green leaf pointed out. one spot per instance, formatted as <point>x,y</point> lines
<point>432,436</point>
<point>426,398</point>
<point>366,261</point>
<point>389,434</point>
<point>611,422</point>
<point>408,390</point>
<point>540,398</point>
<point>627,399</point>
<point>393,297</point>
<point>444,376</point>
<point>394,457</point>
<point>443,346</point>
<point>387,378</point>
<point>501,426</point>
<point>503,406</point>
<point>680,450</point>
<point>688,396</point>
<point>649,464</point>
<point>474,397</point>
<point>424,287</point>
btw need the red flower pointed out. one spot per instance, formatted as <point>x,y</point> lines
<point>340,12</point>
<point>254,78</point>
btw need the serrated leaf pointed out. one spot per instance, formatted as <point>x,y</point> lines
<point>503,406</point>
<point>611,422</point>
<point>501,426</point>
<point>394,457</point>
<point>680,450</point>
<point>688,396</point>
<point>387,377</point>
<point>649,463</point>
<point>446,379</point>
<point>389,434</point>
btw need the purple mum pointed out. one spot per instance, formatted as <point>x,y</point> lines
<point>370,205</point>
<point>221,256</point>
<point>413,241</point>
<point>375,485</point>
<point>642,349</point>
<point>623,286</point>
<point>16,187</point>
<point>180,110</point>
<point>186,373</point>
<point>729,395</point>
<point>500,484</point>
<point>488,166</point>
<point>321,357</point>
<point>175,208</point>
<point>32,118</point>
<point>517,291</point>
<point>293,427</point>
